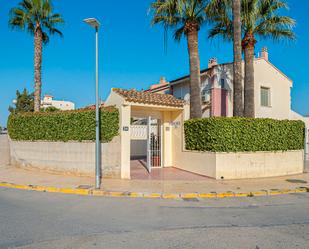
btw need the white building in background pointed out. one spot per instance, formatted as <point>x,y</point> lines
<point>48,101</point>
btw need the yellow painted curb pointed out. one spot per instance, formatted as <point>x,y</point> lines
<point>135,195</point>
<point>259,193</point>
<point>208,195</point>
<point>98,193</point>
<point>116,194</point>
<point>92,192</point>
<point>224,195</point>
<point>243,194</point>
<point>189,196</point>
<point>152,195</point>
<point>170,196</point>
<point>301,190</point>
<point>287,191</point>
<point>274,192</point>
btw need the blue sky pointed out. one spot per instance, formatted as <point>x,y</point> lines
<point>131,53</point>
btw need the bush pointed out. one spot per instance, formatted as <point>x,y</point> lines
<point>63,126</point>
<point>243,134</point>
<point>50,109</point>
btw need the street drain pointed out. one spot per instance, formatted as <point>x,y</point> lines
<point>296,181</point>
<point>84,187</point>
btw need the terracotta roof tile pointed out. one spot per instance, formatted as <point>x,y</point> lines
<point>149,98</point>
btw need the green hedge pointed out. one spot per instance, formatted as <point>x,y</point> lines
<point>243,134</point>
<point>63,126</point>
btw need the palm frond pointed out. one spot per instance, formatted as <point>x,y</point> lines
<point>258,17</point>
<point>176,14</point>
<point>31,15</point>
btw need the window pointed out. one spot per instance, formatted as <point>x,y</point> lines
<point>222,83</point>
<point>265,96</point>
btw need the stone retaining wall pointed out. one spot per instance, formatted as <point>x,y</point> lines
<point>77,158</point>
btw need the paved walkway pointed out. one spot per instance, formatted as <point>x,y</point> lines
<point>139,172</point>
<point>21,176</point>
<point>307,166</point>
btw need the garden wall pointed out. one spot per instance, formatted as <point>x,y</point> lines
<point>240,165</point>
<point>259,164</point>
<point>4,150</point>
<point>63,141</point>
<point>76,158</point>
<point>219,135</point>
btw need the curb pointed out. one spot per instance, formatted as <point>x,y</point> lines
<point>170,196</point>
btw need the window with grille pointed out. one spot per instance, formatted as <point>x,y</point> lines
<point>265,96</point>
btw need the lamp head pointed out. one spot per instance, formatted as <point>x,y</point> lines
<point>92,22</point>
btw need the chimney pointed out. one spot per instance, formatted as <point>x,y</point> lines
<point>161,83</point>
<point>212,62</point>
<point>162,80</point>
<point>264,53</point>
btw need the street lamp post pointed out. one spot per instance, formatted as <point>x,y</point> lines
<point>96,24</point>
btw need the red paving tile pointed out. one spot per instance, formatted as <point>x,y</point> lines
<point>139,172</point>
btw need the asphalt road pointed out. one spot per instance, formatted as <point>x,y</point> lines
<point>44,220</point>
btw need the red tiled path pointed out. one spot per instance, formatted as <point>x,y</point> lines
<point>139,172</point>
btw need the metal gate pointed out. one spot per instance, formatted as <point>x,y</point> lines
<point>306,144</point>
<point>154,144</point>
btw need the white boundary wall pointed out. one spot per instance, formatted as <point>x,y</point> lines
<point>259,164</point>
<point>241,165</point>
<point>234,165</point>
<point>4,150</point>
<point>77,158</point>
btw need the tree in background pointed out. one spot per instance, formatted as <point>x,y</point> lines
<point>37,18</point>
<point>259,18</point>
<point>185,17</point>
<point>24,102</point>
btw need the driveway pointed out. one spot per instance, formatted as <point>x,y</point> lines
<point>44,220</point>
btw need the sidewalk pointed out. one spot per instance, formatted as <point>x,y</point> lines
<point>18,176</point>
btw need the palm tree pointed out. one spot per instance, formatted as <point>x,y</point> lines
<point>238,107</point>
<point>37,18</point>
<point>185,17</point>
<point>259,18</point>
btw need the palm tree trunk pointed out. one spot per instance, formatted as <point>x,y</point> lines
<point>238,107</point>
<point>195,74</point>
<point>249,110</point>
<point>37,69</point>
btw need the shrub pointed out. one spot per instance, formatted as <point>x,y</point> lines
<point>50,109</point>
<point>63,126</point>
<point>243,134</point>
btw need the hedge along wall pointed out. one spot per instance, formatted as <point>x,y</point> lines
<point>64,125</point>
<point>243,134</point>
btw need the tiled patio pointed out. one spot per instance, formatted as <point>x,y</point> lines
<point>139,172</point>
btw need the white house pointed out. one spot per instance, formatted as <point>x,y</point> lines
<point>272,90</point>
<point>48,101</point>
